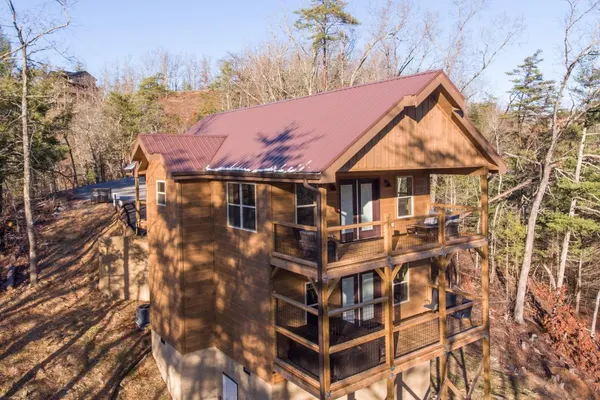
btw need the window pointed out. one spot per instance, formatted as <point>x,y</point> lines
<point>241,206</point>
<point>404,196</point>
<point>401,286</point>
<point>161,193</point>
<point>306,203</point>
<point>230,388</point>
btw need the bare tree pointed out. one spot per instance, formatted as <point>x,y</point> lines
<point>572,58</point>
<point>27,38</point>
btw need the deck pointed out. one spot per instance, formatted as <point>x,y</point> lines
<point>357,347</point>
<point>406,239</point>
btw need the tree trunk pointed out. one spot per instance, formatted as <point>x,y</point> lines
<point>595,317</point>
<point>578,290</point>
<point>529,240</point>
<point>565,246</point>
<point>75,181</point>
<point>33,265</point>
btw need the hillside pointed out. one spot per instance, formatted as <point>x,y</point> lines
<point>63,338</point>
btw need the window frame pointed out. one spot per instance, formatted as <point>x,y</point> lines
<point>407,281</point>
<point>242,206</point>
<point>159,193</point>
<point>411,196</point>
<point>237,387</point>
<point>296,206</point>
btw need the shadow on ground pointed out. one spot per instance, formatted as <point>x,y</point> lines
<point>63,339</point>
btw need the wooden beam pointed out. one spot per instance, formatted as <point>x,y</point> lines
<point>356,342</point>
<point>323,303</point>
<point>390,353</point>
<point>351,307</point>
<point>300,379</point>
<point>294,267</point>
<point>475,380</point>
<point>454,389</point>
<point>295,303</point>
<point>297,338</point>
<point>331,286</point>
<point>442,264</point>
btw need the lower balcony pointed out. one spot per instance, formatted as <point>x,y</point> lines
<point>357,337</point>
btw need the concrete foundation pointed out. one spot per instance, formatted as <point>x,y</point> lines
<point>199,375</point>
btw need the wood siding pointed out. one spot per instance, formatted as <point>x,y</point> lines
<point>419,137</point>
<point>164,259</point>
<point>198,265</point>
<point>243,325</point>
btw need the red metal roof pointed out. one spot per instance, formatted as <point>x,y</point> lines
<point>182,153</point>
<point>304,134</point>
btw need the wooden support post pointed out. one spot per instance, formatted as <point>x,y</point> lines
<point>323,293</point>
<point>138,214</point>
<point>485,289</point>
<point>389,328</point>
<point>387,248</point>
<point>442,264</point>
<point>442,228</point>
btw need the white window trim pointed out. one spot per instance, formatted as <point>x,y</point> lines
<point>308,285</point>
<point>412,196</point>
<point>407,288</point>
<point>157,193</point>
<point>237,388</point>
<point>296,206</point>
<point>227,203</point>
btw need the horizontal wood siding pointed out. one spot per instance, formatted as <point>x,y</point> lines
<point>164,259</point>
<point>420,137</point>
<point>243,322</point>
<point>198,265</point>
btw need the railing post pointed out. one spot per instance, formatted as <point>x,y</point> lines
<point>387,235</point>
<point>485,295</point>
<point>138,214</point>
<point>442,228</point>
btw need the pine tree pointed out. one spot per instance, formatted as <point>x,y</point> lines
<point>325,20</point>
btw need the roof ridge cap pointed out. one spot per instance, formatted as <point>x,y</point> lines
<point>433,71</point>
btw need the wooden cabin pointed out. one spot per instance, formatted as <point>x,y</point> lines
<point>295,251</point>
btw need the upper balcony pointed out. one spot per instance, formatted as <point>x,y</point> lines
<point>370,245</point>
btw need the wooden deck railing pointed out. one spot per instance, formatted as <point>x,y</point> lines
<point>349,244</point>
<point>357,345</point>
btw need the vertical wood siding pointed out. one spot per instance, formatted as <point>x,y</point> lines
<point>420,137</point>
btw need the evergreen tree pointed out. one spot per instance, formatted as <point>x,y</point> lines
<point>325,21</point>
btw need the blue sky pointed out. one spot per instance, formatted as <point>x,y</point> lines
<point>104,31</point>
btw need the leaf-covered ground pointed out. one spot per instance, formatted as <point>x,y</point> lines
<point>63,339</point>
